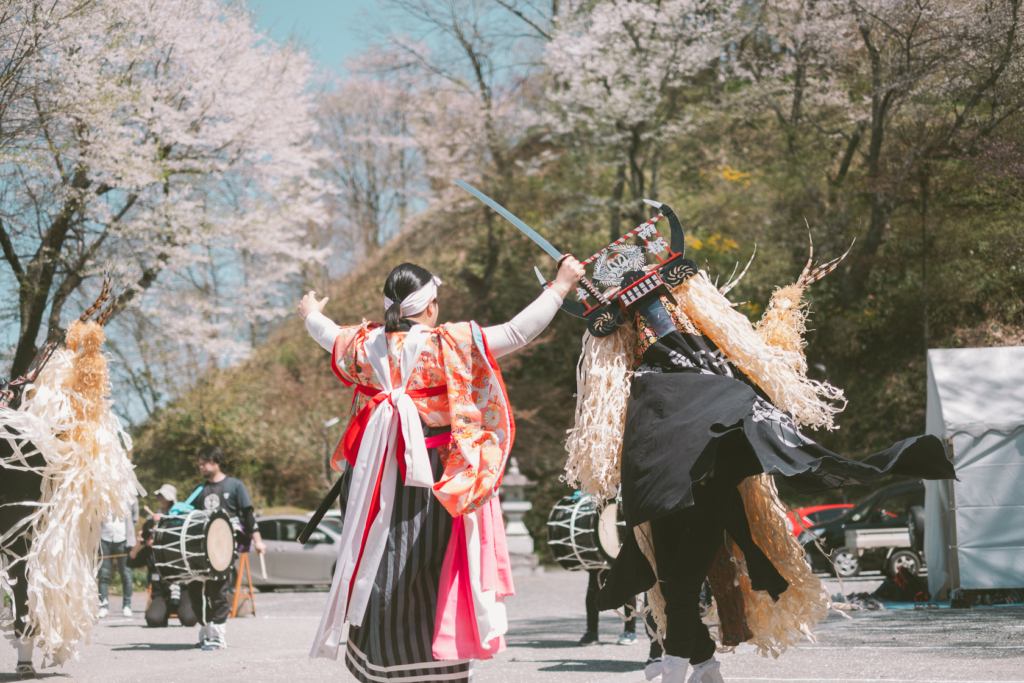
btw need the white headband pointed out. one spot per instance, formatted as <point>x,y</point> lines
<point>418,301</point>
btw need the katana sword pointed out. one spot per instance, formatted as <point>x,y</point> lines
<point>532,234</point>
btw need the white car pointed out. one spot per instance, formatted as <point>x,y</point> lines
<point>290,563</point>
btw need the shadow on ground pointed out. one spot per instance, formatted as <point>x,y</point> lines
<point>610,666</point>
<point>154,647</point>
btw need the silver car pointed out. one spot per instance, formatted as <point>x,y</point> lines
<point>290,563</point>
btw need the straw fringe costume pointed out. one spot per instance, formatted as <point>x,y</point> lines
<point>686,409</point>
<point>423,567</point>
<point>64,443</point>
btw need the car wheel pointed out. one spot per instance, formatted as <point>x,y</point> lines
<point>903,559</point>
<point>265,589</point>
<point>915,527</point>
<point>845,563</point>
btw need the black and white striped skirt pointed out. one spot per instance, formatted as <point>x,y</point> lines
<point>395,640</point>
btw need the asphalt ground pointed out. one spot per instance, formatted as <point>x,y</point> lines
<point>547,618</point>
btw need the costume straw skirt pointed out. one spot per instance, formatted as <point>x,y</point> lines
<point>395,640</point>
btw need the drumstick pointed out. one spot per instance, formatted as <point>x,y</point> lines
<point>148,511</point>
<point>263,566</point>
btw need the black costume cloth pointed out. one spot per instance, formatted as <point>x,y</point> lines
<point>692,417</point>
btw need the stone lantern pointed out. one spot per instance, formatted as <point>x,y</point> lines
<point>514,505</point>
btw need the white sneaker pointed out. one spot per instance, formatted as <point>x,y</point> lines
<point>627,638</point>
<point>127,611</point>
<point>217,639</point>
<point>707,672</point>
<point>103,613</point>
<point>673,669</point>
<point>204,634</point>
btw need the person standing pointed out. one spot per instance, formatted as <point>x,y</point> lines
<point>423,567</point>
<point>116,537</point>
<point>220,492</point>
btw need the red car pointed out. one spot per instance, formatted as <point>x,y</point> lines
<point>815,514</point>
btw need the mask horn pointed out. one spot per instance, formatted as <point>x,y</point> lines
<point>678,237</point>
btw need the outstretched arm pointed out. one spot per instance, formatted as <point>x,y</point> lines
<point>319,326</point>
<point>531,321</point>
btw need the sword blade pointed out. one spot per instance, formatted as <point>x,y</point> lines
<point>507,215</point>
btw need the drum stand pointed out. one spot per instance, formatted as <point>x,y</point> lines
<point>243,566</point>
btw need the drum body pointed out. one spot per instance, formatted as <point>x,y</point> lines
<point>197,546</point>
<point>582,536</point>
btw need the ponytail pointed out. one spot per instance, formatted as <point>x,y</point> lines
<point>402,281</point>
<point>392,316</point>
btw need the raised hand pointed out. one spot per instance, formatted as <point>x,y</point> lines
<point>308,304</point>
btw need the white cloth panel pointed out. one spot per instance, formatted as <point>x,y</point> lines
<point>989,505</point>
<point>979,390</point>
<point>976,399</point>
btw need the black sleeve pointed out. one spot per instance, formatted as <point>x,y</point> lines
<point>248,518</point>
<point>141,559</point>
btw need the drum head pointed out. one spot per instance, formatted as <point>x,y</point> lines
<point>220,544</point>
<point>608,531</point>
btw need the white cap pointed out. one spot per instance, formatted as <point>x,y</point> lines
<point>168,492</point>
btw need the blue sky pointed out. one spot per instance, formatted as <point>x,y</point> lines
<point>333,30</point>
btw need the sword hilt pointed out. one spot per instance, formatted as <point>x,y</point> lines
<point>589,286</point>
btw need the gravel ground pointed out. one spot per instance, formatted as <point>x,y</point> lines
<point>546,619</point>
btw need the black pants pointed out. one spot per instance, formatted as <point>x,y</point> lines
<point>160,607</point>
<point>685,543</point>
<point>593,586</point>
<point>216,598</point>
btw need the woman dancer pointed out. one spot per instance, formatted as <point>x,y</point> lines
<point>423,568</point>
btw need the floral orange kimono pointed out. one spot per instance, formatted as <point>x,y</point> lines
<point>423,567</point>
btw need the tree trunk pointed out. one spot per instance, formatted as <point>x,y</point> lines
<point>615,205</point>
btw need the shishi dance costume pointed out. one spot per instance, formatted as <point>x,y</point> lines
<point>64,469</point>
<point>687,408</point>
<point>423,567</point>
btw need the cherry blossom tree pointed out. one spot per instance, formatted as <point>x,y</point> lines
<point>172,146</point>
<point>371,159</point>
<point>620,77</point>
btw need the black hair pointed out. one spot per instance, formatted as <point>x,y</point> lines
<point>402,281</point>
<point>212,454</point>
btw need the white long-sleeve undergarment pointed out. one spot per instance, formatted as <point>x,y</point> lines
<point>501,339</point>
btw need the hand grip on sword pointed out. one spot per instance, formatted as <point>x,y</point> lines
<point>571,271</point>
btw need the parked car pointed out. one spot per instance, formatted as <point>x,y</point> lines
<point>804,518</point>
<point>877,528</point>
<point>290,563</point>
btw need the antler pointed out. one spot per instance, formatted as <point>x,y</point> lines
<point>809,276</point>
<point>732,283</point>
<point>98,304</point>
<point>105,316</point>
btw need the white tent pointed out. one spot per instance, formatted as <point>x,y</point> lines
<point>974,528</point>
